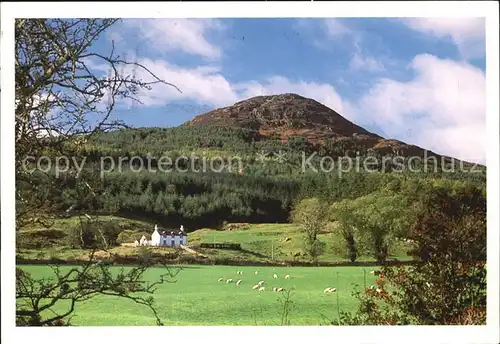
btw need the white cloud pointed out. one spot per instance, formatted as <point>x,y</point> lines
<point>334,28</point>
<point>203,84</point>
<point>187,35</point>
<point>468,34</point>
<point>115,36</point>
<point>208,86</point>
<point>442,109</point>
<point>337,32</point>
<point>443,105</point>
<point>359,62</point>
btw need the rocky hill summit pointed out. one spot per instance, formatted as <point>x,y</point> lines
<point>289,114</point>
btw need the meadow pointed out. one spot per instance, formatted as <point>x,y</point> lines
<point>261,242</point>
<point>197,298</point>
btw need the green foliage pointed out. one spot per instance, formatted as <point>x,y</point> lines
<point>263,193</point>
<point>448,284</point>
<point>129,236</point>
<point>81,236</point>
<point>371,222</point>
<point>40,238</point>
<point>91,233</point>
<point>311,217</point>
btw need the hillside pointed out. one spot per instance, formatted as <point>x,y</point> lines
<point>277,122</point>
<point>255,191</point>
<point>263,243</point>
<point>285,115</point>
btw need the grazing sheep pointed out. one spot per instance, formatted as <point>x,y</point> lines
<point>260,283</point>
<point>280,289</point>
<point>275,276</point>
<point>372,272</point>
<point>275,289</point>
<point>256,272</point>
<point>241,272</point>
<point>327,290</point>
<point>220,279</point>
<point>333,290</point>
<point>229,280</point>
<point>238,282</point>
<point>287,277</point>
<point>255,286</point>
<point>262,288</point>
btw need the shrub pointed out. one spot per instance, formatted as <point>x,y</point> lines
<point>309,214</point>
<point>81,236</point>
<point>93,233</point>
<point>447,286</point>
<point>41,238</point>
<point>126,236</point>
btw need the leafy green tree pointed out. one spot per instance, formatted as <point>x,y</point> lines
<point>448,284</point>
<point>309,214</point>
<point>343,215</point>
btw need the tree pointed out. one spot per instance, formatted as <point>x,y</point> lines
<point>342,213</point>
<point>58,90</point>
<point>35,296</point>
<point>58,96</point>
<point>447,285</point>
<point>372,222</point>
<point>310,215</point>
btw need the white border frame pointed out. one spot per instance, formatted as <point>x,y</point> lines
<point>366,334</point>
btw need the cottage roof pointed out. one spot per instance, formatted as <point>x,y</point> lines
<point>173,233</point>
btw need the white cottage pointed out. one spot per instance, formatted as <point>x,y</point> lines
<point>168,238</point>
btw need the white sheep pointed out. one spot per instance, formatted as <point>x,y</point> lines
<point>220,279</point>
<point>275,276</point>
<point>262,288</point>
<point>327,290</point>
<point>372,272</point>
<point>241,272</point>
<point>238,282</point>
<point>255,286</point>
<point>281,289</point>
<point>332,290</point>
<point>229,280</point>
<point>275,289</point>
<point>238,272</point>
<point>287,277</point>
<point>260,283</point>
<point>256,272</point>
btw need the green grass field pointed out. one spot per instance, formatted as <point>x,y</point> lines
<point>269,240</point>
<point>197,298</point>
<point>259,242</point>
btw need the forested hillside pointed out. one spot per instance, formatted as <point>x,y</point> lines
<point>246,188</point>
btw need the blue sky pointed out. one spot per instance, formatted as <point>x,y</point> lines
<point>419,80</point>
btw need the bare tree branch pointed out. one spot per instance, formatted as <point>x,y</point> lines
<point>60,84</point>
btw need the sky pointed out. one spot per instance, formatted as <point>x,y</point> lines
<point>418,80</point>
